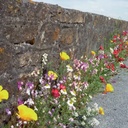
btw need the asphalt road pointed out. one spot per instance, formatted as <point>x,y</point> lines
<point>115,104</point>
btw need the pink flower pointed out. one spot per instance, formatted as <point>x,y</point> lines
<point>62,87</point>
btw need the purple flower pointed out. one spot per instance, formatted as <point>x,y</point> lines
<point>100,56</point>
<point>8,111</point>
<point>20,101</point>
<point>84,66</point>
<point>30,85</point>
<point>20,84</point>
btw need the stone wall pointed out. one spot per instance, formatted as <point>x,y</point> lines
<point>30,29</point>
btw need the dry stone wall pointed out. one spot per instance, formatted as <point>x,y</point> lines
<point>27,30</point>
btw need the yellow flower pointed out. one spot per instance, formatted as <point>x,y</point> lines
<point>101,111</point>
<point>93,53</point>
<point>64,56</point>
<point>111,41</point>
<point>52,74</point>
<point>4,95</point>
<point>109,88</point>
<point>26,113</point>
<point>126,42</point>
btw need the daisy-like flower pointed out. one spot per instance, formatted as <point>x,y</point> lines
<point>4,95</point>
<point>71,102</point>
<point>64,56</point>
<point>26,113</point>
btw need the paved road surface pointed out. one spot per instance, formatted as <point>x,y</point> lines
<point>115,104</point>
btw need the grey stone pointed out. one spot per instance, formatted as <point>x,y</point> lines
<point>30,29</point>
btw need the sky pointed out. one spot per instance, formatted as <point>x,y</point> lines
<point>112,8</point>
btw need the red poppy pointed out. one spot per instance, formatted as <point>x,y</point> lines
<point>124,33</point>
<point>111,66</point>
<point>105,56</point>
<point>115,53</point>
<point>102,79</point>
<point>55,93</point>
<point>101,47</point>
<point>123,66</point>
<point>120,59</point>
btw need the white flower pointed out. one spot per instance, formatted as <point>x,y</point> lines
<point>96,108</point>
<point>63,91</point>
<point>47,86</point>
<point>71,101</point>
<point>44,59</point>
<point>76,77</point>
<point>84,117</point>
<point>69,68</point>
<point>71,119</point>
<point>73,92</point>
<point>28,91</point>
<point>90,96</point>
<point>88,111</point>
<point>35,108</point>
<point>94,122</point>
<point>75,114</point>
<point>111,50</point>
<point>101,52</point>
<point>25,122</point>
<point>29,101</point>
<point>83,123</point>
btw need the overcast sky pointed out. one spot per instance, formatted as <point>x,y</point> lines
<point>113,8</point>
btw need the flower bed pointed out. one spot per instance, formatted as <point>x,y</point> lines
<point>59,98</point>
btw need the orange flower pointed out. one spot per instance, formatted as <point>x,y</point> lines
<point>108,88</point>
<point>26,113</point>
<point>101,111</point>
<point>64,56</point>
<point>93,53</point>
